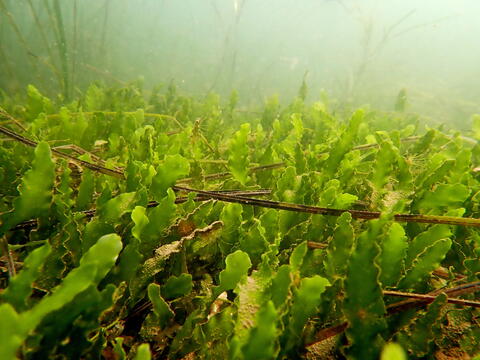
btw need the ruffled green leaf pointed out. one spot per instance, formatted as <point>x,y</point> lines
<point>36,190</point>
<point>254,242</point>
<point>305,302</point>
<point>231,216</point>
<point>424,240</point>
<point>20,286</point>
<point>159,219</point>
<point>363,306</point>
<point>261,343</point>
<point>94,98</point>
<point>85,191</point>
<point>140,220</point>
<point>298,254</point>
<point>393,251</point>
<point>344,143</point>
<point>94,265</point>
<point>427,261</point>
<point>37,103</point>
<point>383,165</point>
<point>280,287</point>
<point>238,154</point>
<point>419,337</point>
<point>339,248</point>
<point>113,209</point>
<point>161,309</point>
<point>12,332</point>
<point>153,266</point>
<point>173,168</point>
<point>445,195</point>
<point>237,266</point>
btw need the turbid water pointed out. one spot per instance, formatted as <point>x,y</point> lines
<point>359,52</point>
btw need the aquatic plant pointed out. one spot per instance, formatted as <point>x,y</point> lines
<point>179,228</point>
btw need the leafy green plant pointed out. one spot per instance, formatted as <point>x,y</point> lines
<point>160,236</point>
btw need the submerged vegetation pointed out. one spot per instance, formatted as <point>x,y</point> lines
<point>139,224</point>
<point>197,229</point>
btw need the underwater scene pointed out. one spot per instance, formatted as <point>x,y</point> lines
<point>239,179</point>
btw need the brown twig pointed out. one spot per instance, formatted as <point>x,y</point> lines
<point>118,172</point>
<point>410,139</point>
<point>356,214</point>
<point>431,298</point>
<point>6,115</point>
<point>407,304</point>
<point>444,274</point>
<point>7,253</point>
<point>316,245</point>
<point>29,224</point>
<point>57,153</point>
<point>370,146</point>
<point>228,174</point>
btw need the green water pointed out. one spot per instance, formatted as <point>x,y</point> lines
<point>359,52</point>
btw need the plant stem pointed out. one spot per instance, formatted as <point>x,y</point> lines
<point>74,42</point>
<point>104,29</point>
<point>356,214</point>
<point>29,224</point>
<point>19,34</point>
<point>431,298</point>
<point>46,44</point>
<point>62,47</point>
<point>7,253</point>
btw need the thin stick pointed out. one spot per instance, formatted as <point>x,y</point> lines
<point>6,251</point>
<point>356,214</point>
<point>104,29</point>
<point>75,44</point>
<point>105,73</point>
<point>17,31</point>
<point>46,43</point>
<point>90,113</point>
<point>81,151</point>
<point>119,171</point>
<point>6,115</point>
<point>411,139</point>
<point>316,245</point>
<point>7,65</point>
<point>57,153</point>
<point>62,47</point>
<point>431,298</point>
<point>228,174</point>
<point>179,200</point>
<point>453,292</point>
<point>401,306</point>
<point>370,146</point>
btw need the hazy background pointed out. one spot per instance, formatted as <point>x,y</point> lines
<point>358,51</point>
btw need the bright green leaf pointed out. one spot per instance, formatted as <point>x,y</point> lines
<point>237,266</point>
<point>393,251</point>
<point>143,352</point>
<point>168,172</point>
<point>238,159</point>
<point>393,351</point>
